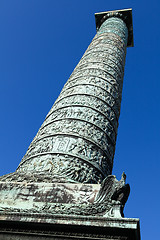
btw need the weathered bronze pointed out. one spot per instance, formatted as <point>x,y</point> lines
<point>67,167</point>
<point>77,139</point>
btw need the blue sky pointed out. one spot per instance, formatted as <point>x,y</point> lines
<point>41,43</point>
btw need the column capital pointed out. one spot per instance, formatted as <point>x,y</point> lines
<point>124,14</point>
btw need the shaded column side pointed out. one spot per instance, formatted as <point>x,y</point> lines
<point>77,139</point>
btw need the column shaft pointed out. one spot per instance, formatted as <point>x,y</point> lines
<point>77,139</point>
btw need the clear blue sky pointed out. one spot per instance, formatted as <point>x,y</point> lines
<point>40,44</point>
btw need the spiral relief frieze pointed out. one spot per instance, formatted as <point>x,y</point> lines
<point>77,139</point>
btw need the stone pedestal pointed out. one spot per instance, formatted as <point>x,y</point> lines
<point>61,210</point>
<point>45,226</point>
<point>106,199</point>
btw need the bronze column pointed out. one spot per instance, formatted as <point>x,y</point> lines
<point>77,139</point>
<point>57,191</point>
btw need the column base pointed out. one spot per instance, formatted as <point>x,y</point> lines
<point>45,226</point>
<point>61,210</point>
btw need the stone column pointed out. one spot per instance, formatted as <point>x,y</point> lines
<point>77,139</point>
